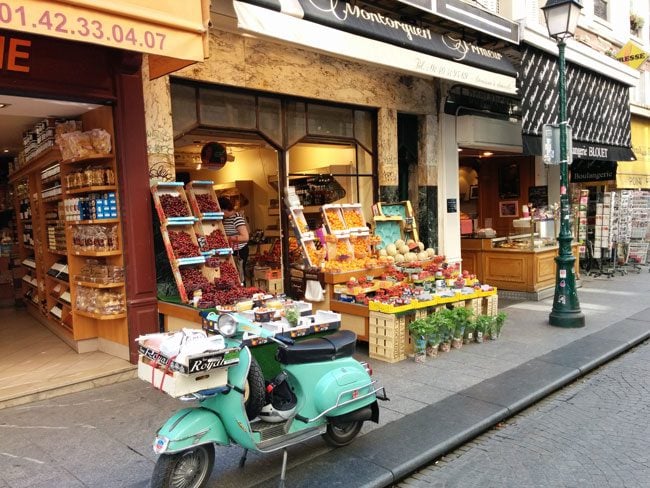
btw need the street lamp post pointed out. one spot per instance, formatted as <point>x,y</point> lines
<point>561,20</point>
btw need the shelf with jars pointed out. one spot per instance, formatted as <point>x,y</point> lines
<point>71,200</point>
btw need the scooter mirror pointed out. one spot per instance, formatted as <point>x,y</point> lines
<point>227,325</point>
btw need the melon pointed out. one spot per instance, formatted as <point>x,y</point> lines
<point>391,249</point>
<point>403,249</point>
<point>399,258</point>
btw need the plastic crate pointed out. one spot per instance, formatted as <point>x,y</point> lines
<point>388,336</point>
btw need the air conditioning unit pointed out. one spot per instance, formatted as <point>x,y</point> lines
<point>485,133</point>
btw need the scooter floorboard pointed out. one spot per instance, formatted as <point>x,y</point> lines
<point>274,436</point>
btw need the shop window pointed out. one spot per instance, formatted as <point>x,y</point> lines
<point>226,109</point>
<point>183,108</point>
<point>271,118</point>
<point>296,122</point>
<point>324,120</point>
<point>363,123</point>
<point>601,9</point>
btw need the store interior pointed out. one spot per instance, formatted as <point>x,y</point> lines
<point>35,349</point>
<point>322,172</point>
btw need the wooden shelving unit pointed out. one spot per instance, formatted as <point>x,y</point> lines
<point>79,328</point>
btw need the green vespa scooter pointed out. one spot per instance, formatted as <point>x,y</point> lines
<point>332,394</point>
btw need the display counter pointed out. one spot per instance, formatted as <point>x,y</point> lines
<point>514,264</point>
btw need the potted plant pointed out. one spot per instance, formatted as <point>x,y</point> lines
<point>636,23</point>
<point>462,318</point>
<point>433,339</point>
<point>445,327</point>
<point>497,325</point>
<point>482,325</point>
<point>419,330</point>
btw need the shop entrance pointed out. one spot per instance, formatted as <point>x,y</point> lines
<point>45,319</point>
<point>324,151</point>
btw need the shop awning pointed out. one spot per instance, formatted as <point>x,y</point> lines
<point>583,150</point>
<point>364,36</point>
<point>636,174</point>
<point>167,28</point>
<point>598,108</point>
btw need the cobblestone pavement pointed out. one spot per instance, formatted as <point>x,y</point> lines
<point>594,433</point>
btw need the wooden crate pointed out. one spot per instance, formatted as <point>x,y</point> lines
<point>476,304</point>
<point>388,336</point>
<point>491,305</point>
<point>174,189</point>
<point>194,188</point>
<point>422,313</point>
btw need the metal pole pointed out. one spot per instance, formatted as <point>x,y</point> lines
<point>566,306</point>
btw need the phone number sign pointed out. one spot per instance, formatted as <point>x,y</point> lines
<point>104,28</point>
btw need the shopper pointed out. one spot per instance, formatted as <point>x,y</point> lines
<point>237,234</point>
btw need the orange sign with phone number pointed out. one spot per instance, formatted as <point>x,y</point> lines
<point>130,25</point>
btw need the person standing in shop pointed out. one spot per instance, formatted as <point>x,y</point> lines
<point>237,235</point>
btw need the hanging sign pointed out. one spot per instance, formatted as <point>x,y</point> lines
<point>632,55</point>
<point>173,29</point>
<point>551,144</point>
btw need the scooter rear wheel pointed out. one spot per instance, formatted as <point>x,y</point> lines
<point>186,469</point>
<point>341,434</point>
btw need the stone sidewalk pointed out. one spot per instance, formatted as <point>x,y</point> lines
<point>102,437</point>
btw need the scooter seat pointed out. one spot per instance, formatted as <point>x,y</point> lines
<point>341,344</point>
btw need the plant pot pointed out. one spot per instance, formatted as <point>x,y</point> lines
<point>445,346</point>
<point>420,357</point>
<point>469,337</point>
<point>494,336</point>
<point>479,337</point>
<point>432,350</point>
<point>420,345</point>
<point>457,342</point>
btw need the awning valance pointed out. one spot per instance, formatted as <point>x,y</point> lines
<point>583,150</point>
<point>289,25</point>
<point>171,28</point>
<point>598,108</point>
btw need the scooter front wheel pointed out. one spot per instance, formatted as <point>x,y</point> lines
<point>340,434</point>
<point>186,469</point>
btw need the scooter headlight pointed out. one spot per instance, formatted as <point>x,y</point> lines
<point>227,325</point>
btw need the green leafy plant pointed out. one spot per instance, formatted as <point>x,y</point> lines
<point>483,323</point>
<point>462,318</point>
<point>420,328</point>
<point>444,322</point>
<point>498,322</point>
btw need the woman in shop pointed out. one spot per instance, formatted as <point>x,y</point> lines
<point>237,234</point>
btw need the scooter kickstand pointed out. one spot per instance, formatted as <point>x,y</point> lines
<point>242,459</point>
<point>283,473</point>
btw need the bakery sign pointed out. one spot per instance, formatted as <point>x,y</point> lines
<point>360,19</point>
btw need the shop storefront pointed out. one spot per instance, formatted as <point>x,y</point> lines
<point>75,74</point>
<point>516,198</point>
<point>295,111</point>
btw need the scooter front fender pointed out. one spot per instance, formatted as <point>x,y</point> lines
<point>190,427</point>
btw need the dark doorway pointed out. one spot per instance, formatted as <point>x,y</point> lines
<point>407,156</point>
